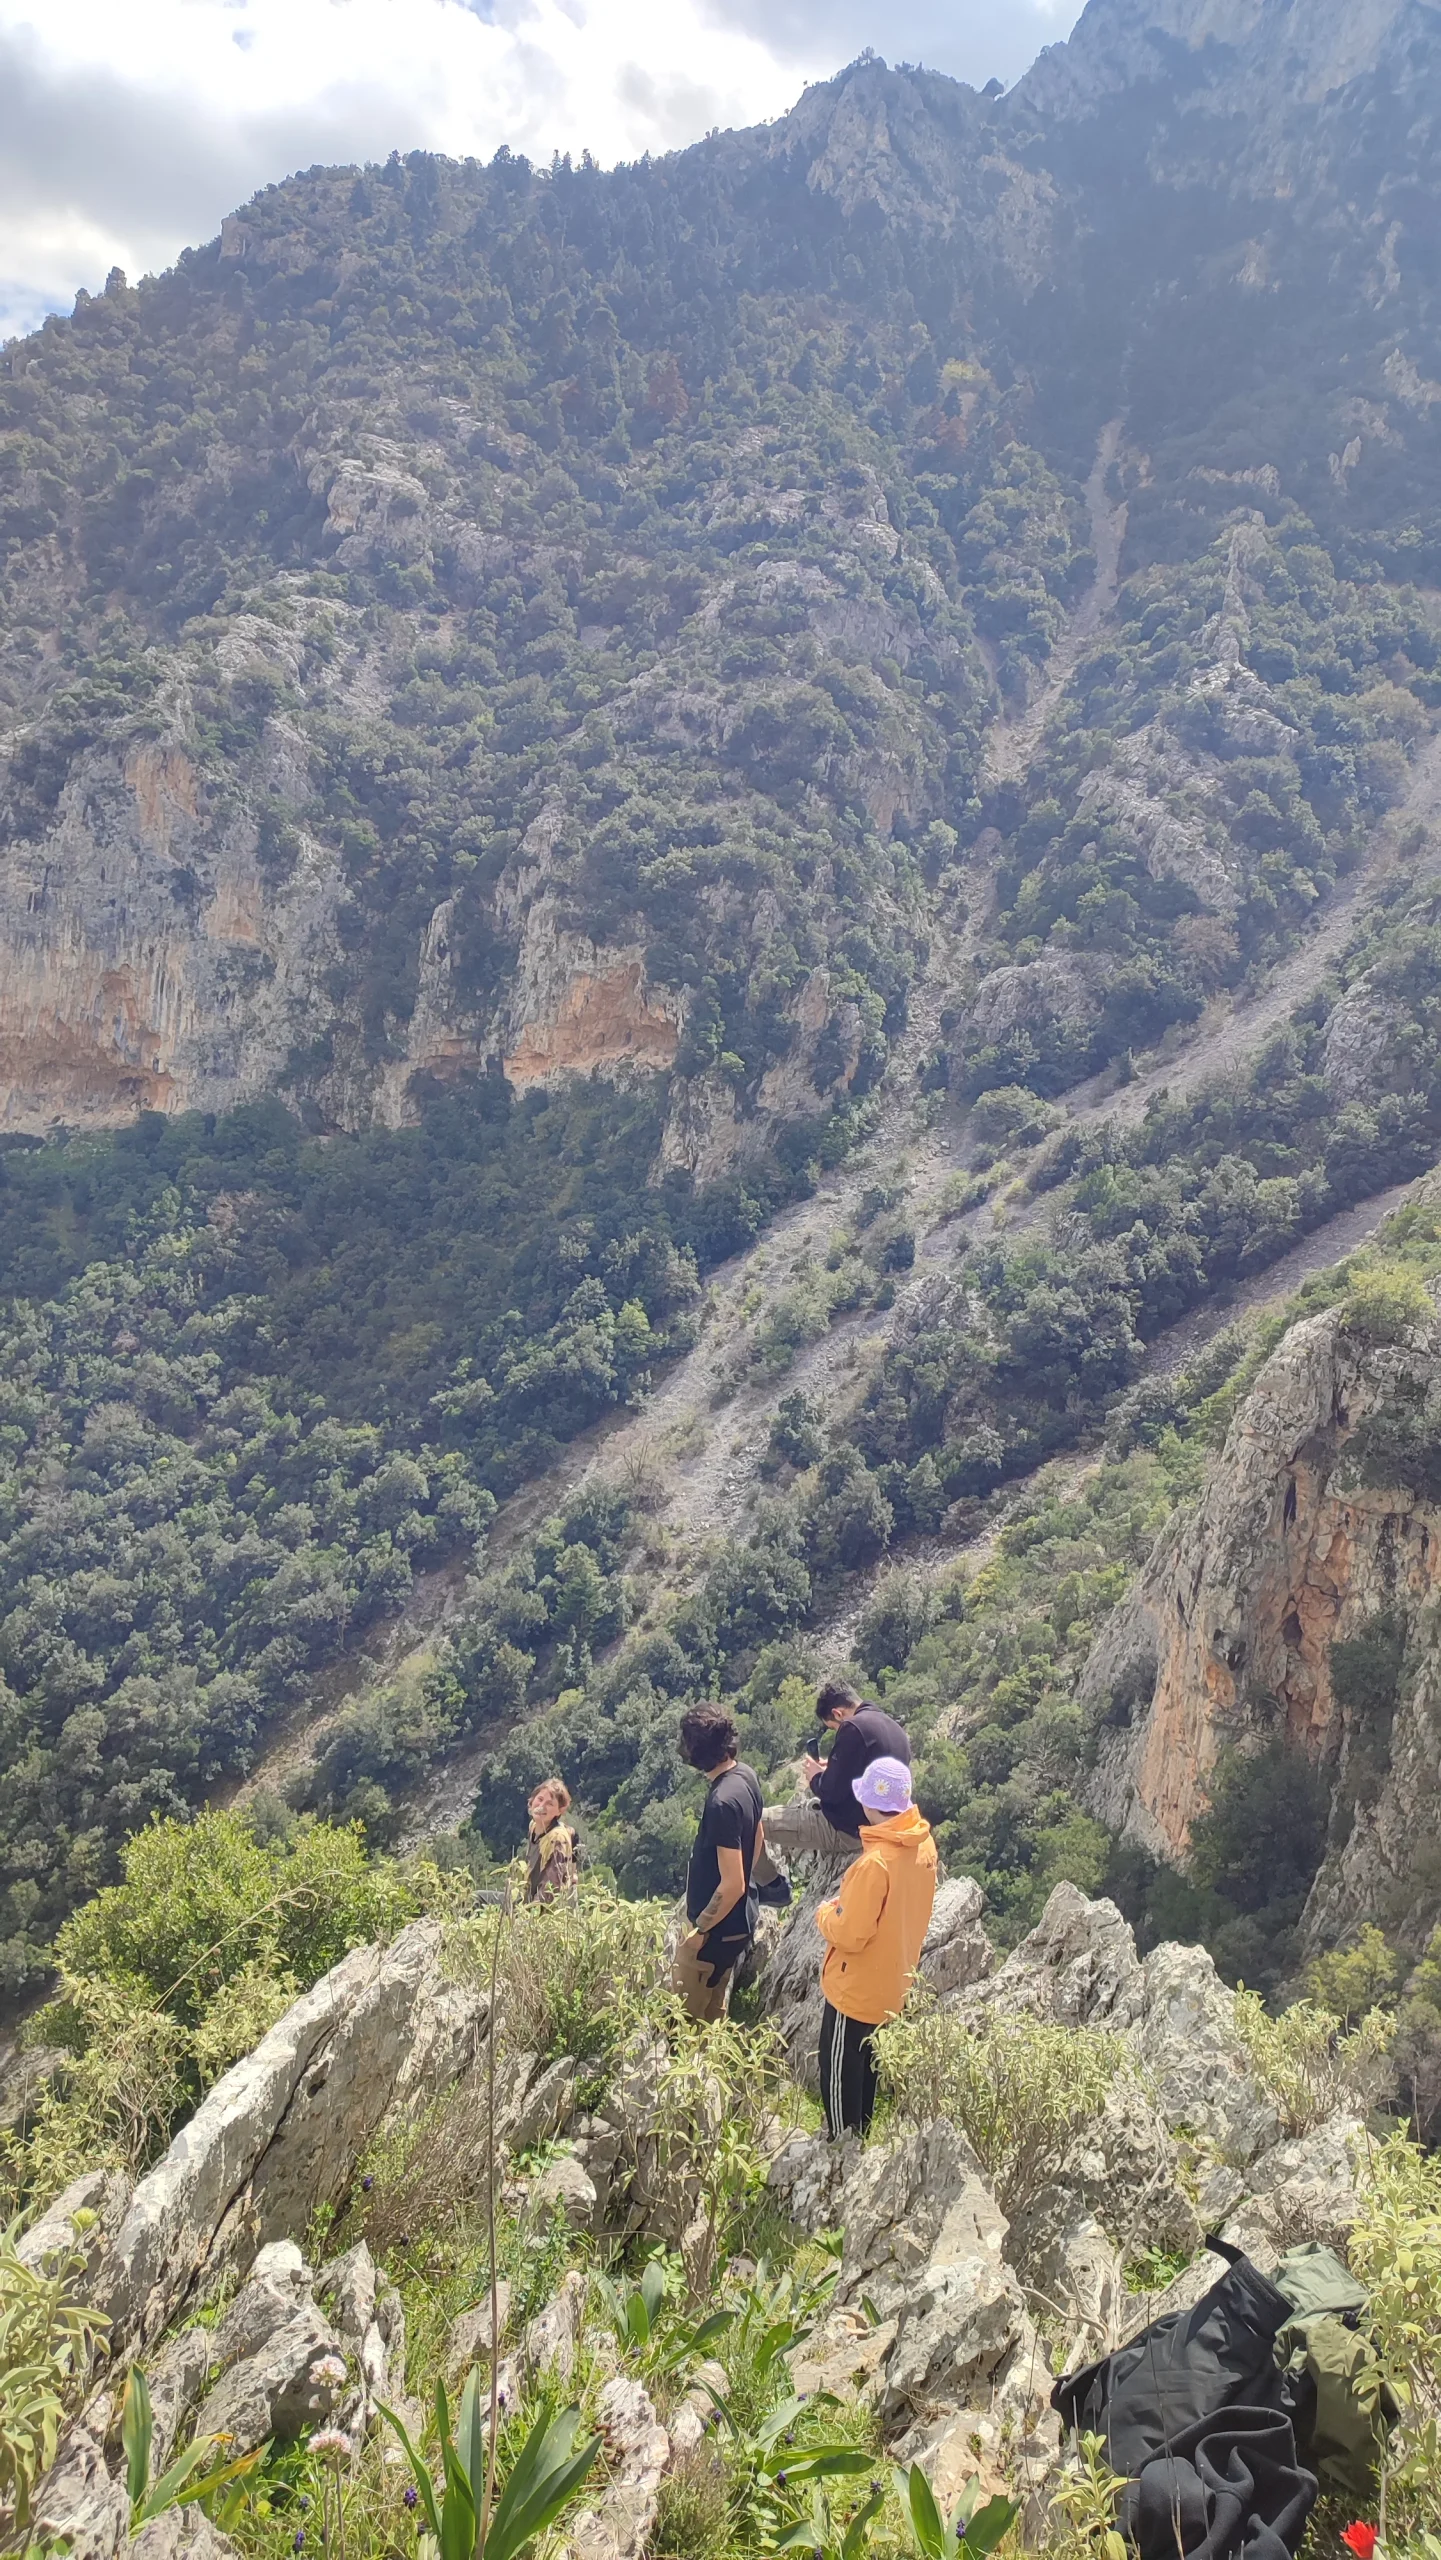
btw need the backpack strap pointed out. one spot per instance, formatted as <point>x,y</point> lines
<point>1226,2249</point>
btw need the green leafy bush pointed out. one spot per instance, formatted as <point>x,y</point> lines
<point>1387,1302</point>
<point>170,1976</point>
<point>1311,2065</point>
<point>1395,2251</point>
<point>48,2334</point>
<point>575,1977</point>
<point>1020,2089</point>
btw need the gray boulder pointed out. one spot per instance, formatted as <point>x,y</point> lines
<point>78,2501</point>
<point>279,2134</point>
<point>790,1982</point>
<point>1076,2278</point>
<point>468,2339</point>
<point>1304,2189</point>
<point>284,2368</point>
<point>957,1952</point>
<point>923,2244</point>
<point>550,2339</point>
<point>369,2319</point>
<point>1186,2038</point>
<point>177,2378</point>
<point>637,2448</point>
<point>695,2412</point>
<point>564,2188</point>
<point>1078,1966</point>
<point>1125,2168</point>
<point>538,2103</point>
<point>103,2193</point>
<point>283,2389</point>
<point>808,2174</point>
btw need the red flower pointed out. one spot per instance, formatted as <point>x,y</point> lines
<point>1362,2539</point>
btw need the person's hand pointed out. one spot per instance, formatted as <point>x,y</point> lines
<point>693,1938</point>
<point>811,1766</point>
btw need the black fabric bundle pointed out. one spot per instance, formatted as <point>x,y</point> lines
<point>1195,2414</point>
<point>1230,2484</point>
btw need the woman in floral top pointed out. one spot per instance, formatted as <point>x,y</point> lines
<point>550,1860</point>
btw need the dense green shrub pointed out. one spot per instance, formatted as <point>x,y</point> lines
<point>1019,2088</point>
<point>171,1975</point>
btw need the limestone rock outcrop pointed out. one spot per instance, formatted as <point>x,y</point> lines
<point>638,2448</point>
<point>1227,1634</point>
<point>278,2136</point>
<point>929,2322</point>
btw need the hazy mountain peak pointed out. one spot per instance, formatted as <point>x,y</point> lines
<point>1309,47</point>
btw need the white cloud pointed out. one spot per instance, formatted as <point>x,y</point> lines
<point>126,132</point>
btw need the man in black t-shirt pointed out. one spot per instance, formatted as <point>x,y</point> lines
<point>720,1904</point>
<point>826,1821</point>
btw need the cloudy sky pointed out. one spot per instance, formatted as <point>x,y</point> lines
<point>128,127</point>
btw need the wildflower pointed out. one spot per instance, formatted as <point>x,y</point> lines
<point>365,2185</point>
<point>305,2506</point>
<point>332,2444</point>
<point>1362,2539</point>
<point>328,2369</point>
<point>410,2497</point>
<point>297,2541</point>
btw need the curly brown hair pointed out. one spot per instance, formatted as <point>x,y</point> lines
<point>708,1736</point>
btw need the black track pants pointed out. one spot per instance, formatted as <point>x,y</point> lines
<point>848,2073</point>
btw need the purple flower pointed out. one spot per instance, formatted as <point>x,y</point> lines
<point>410,2497</point>
<point>365,2185</point>
<point>298,2539</point>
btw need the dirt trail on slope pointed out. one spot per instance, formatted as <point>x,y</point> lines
<point>703,1428</point>
<point>1225,1038</point>
<point>1228,1037</point>
<point>1343,1234</point>
<point>1011,744</point>
<point>700,1435</point>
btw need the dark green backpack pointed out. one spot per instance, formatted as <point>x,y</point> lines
<point>1322,2352</point>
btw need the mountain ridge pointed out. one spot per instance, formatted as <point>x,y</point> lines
<point>808,712</point>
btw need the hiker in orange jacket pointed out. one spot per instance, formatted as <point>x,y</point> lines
<point>875,1926</point>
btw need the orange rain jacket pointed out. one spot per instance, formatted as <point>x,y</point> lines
<point>877,1922</point>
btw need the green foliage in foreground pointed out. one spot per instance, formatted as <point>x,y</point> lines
<point>170,1976</point>
<point>1396,2252</point>
<point>776,2471</point>
<point>1018,2088</point>
<point>47,2335</point>
<point>199,2477</point>
<point>470,2515</point>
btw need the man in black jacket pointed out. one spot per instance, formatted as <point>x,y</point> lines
<point>826,1821</point>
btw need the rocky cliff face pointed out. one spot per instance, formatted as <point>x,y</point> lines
<point>1302,50</point>
<point>148,962</point>
<point>1306,1538</point>
<point>528,704</point>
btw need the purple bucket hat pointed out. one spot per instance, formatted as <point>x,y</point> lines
<point>884,1786</point>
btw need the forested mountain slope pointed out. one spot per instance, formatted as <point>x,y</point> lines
<point>544,717</point>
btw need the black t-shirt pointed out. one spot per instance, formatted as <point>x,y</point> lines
<point>870,1734</point>
<point>730,1818</point>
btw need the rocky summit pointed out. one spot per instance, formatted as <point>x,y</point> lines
<point>720,960</point>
